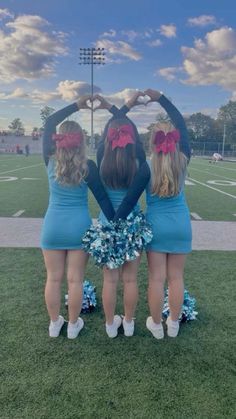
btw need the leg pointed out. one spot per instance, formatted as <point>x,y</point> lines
<point>55,266</point>
<point>76,263</point>
<point>175,270</point>
<point>110,281</point>
<point>129,276</point>
<point>156,279</point>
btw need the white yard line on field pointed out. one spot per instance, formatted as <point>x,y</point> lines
<point>214,174</point>
<point>211,187</point>
<point>196,216</point>
<point>21,168</point>
<point>18,213</point>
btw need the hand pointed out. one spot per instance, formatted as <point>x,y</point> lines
<point>153,94</point>
<point>134,100</point>
<point>82,102</point>
<point>104,104</point>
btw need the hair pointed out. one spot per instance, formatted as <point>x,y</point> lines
<point>167,169</point>
<point>71,163</point>
<point>118,166</point>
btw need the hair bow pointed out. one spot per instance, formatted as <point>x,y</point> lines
<point>68,140</point>
<point>121,136</point>
<point>166,142</point>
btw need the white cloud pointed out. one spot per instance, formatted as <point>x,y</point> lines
<point>169,31</point>
<point>168,72</point>
<point>118,48</point>
<point>212,60</point>
<point>67,90</point>
<point>4,13</point>
<point>233,97</point>
<point>111,33</point>
<point>131,35</point>
<point>155,43</point>
<point>202,20</point>
<point>28,50</point>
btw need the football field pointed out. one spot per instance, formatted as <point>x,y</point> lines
<point>192,376</point>
<point>210,188</point>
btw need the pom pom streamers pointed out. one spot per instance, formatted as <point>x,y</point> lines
<point>114,243</point>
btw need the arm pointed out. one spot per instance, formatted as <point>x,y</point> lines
<point>95,185</point>
<point>135,190</point>
<point>175,116</point>
<point>50,129</point>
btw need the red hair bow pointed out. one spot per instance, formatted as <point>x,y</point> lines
<point>166,142</point>
<point>121,136</point>
<point>68,140</point>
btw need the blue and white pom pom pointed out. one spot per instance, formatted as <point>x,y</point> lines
<point>114,243</point>
<point>89,297</point>
<point>188,309</point>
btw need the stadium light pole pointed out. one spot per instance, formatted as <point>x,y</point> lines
<point>92,56</point>
<point>223,144</point>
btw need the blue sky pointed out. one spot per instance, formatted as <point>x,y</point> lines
<point>186,49</point>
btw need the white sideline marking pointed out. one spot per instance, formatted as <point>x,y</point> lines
<point>30,178</point>
<point>196,216</point>
<point>21,168</point>
<point>7,178</point>
<point>187,182</point>
<point>18,213</point>
<point>214,189</point>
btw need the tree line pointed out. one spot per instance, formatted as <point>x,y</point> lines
<point>201,128</point>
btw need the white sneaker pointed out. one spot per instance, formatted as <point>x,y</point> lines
<point>55,327</point>
<point>172,328</point>
<point>73,329</point>
<point>128,327</point>
<point>156,329</point>
<point>112,329</point>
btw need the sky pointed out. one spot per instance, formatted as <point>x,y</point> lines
<point>184,48</point>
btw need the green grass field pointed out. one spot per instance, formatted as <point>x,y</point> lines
<point>191,377</point>
<point>23,186</point>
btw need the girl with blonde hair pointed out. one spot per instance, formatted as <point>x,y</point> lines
<point>67,218</point>
<point>168,214</point>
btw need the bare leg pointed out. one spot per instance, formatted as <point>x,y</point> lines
<point>77,260</point>
<point>175,271</point>
<point>156,278</point>
<point>55,266</point>
<point>129,276</point>
<point>109,291</point>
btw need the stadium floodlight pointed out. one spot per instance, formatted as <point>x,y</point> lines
<point>92,56</point>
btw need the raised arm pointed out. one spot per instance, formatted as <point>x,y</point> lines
<point>95,185</point>
<point>55,119</point>
<point>175,116</point>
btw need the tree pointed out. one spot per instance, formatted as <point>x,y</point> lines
<point>45,112</point>
<point>17,127</point>
<point>227,117</point>
<point>201,127</point>
<point>35,133</point>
